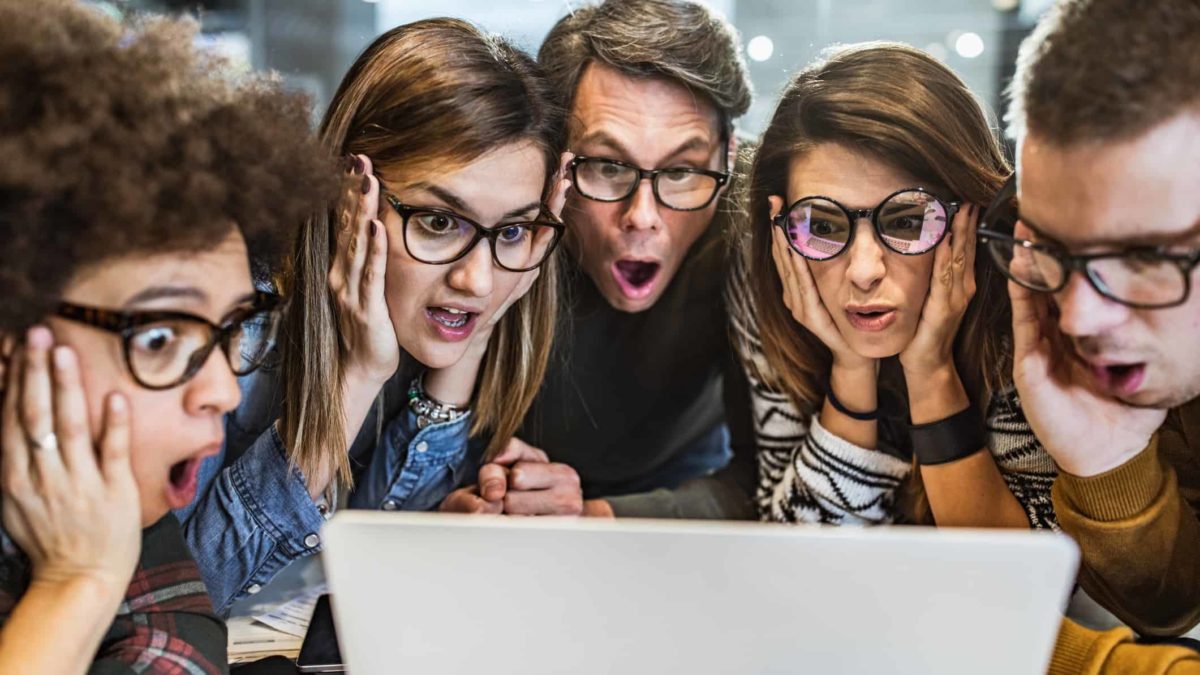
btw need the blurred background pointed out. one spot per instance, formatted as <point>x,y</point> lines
<point>313,42</point>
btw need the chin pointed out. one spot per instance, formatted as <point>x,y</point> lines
<point>436,356</point>
<point>152,513</point>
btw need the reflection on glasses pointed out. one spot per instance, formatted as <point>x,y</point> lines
<point>164,349</point>
<point>909,221</point>
<point>677,188</point>
<point>439,236</point>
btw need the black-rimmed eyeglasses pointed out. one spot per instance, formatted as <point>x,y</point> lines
<point>164,349</point>
<point>911,221</point>
<point>678,188</point>
<point>439,236</point>
<point>1144,277</point>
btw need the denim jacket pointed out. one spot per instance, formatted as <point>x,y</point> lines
<point>253,516</point>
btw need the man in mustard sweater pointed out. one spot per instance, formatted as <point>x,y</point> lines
<point>1103,245</point>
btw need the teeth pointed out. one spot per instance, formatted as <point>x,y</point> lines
<point>453,311</point>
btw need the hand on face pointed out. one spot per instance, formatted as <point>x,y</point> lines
<point>801,298</point>
<point>1084,430</point>
<point>950,292</point>
<point>356,279</point>
<point>71,505</point>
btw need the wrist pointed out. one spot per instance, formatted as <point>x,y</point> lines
<point>103,586</point>
<point>935,394</point>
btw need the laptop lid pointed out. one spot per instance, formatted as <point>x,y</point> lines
<point>437,593</point>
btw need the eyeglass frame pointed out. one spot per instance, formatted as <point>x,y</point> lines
<point>722,178</point>
<point>490,233</point>
<point>950,207</point>
<point>126,325</point>
<point>1076,263</point>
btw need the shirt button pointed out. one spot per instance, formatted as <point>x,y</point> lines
<point>422,446</point>
<point>390,505</point>
<point>253,588</point>
<point>312,540</point>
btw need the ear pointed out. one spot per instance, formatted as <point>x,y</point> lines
<point>776,204</point>
<point>731,157</point>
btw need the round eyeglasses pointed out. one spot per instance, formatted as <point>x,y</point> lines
<point>439,236</point>
<point>910,222</point>
<point>165,349</point>
<point>678,188</point>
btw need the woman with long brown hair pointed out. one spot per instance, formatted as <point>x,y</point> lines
<point>417,321</point>
<point>875,340</point>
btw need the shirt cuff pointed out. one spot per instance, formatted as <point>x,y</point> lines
<point>1080,650</point>
<point>841,452</point>
<point>1118,494</point>
<point>276,496</point>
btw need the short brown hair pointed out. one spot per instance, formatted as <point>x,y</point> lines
<point>674,39</point>
<point>122,139</point>
<point>1106,70</point>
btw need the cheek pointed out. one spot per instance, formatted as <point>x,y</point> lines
<point>407,287</point>
<point>829,278</point>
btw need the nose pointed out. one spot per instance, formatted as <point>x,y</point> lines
<point>473,273</point>
<point>1083,312</point>
<point>866,268</point>
<point>214,389</point>
<point>642,212</point>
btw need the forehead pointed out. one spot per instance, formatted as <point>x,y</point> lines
<point>647,116</point>
<point>855,179</point>
<point>221,273</point>
<point>1145,189</point>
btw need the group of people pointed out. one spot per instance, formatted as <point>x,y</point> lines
<point>489,283</point>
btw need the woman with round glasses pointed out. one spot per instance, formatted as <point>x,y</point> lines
<point>127,210</point>
<point>875,340</point>
<point>418,327</point>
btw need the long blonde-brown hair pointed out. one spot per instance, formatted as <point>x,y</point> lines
<point>434,94</point>
<point>898,104</point>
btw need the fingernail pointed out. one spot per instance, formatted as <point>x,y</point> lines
<point>359,165</point>
<point>116,403</point>
<point>62,357</point>
<point>366,184</point>
<point>38,336</point>
<point>372,228</point>
<point>347,163</point>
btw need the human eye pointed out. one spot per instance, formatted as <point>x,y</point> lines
<point>610,171</point>
<point>436,223</point>
<point>156,340</point>
<point>822,228</point>
<point>513,234</point>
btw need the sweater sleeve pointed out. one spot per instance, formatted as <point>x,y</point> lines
<point>1139,539</point>
<point>1080,651</point>
<point>1027,469</point>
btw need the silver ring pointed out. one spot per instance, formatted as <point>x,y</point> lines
<point>48,441</point>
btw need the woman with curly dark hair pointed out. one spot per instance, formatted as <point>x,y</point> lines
<point>135,182</point>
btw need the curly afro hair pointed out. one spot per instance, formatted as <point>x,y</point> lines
<point>120,138</point>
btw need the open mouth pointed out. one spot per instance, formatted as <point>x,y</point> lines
<point>452,323</point>
<point>1120,379</point>
<point>182,482</point>
<point>871,318</point>
<point>636,277</point>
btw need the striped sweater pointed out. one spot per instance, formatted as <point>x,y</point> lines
<point>807,474</point>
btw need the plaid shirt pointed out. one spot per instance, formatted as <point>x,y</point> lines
<point>166,624</point>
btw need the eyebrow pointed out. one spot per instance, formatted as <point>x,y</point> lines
<point>1153,240</point>
<point>459,204</point>
<point>601,137</point>
<point>167,293</point>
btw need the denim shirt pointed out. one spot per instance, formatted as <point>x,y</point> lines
<point>253,516</point>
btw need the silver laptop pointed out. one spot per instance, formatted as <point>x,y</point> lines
<point>432,593</point>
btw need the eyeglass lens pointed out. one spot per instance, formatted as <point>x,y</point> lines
<point>910,222</point>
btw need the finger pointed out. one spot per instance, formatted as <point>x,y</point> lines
<point>37,404</point>
<point>114,444</point>
<point>466,501</point>
<point>543,503</point>
<point>1027,323</point>
<point>493,481</point>
<point>371,286</point>
<point>368,210</point>
<point>542,476</point>
<point>518,450</point>
<point>562,184</point>
<point>15,453</point>
<point>71,416</point>
<point>783,269</point>
<point>971,240</point>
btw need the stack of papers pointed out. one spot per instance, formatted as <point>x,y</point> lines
<point>279,632</point>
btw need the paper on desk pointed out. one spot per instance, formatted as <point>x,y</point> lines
<point>294,616</point>
<point>251,641</point>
